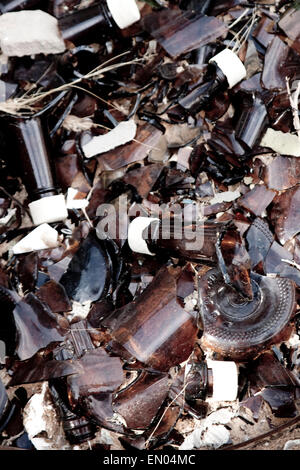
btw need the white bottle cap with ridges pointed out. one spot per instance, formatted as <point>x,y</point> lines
<point>48,209</point>
<point>225,380</point>
<point>135,235</point>
<point>124,12</point>
<point>232,67</point>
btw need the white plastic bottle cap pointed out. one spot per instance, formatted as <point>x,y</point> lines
<point>135,235</point>
<point>232,67</point>
<point>124,12</point>
<point>225,380</point>
<point>48,209</point>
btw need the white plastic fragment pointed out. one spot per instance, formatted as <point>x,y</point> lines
<point>232,67</point>
<point>120,135</point>
<point>42,423</point>
<point>211,432</point>
<point>226,196</point>
<point>281,142</point>
<point>10,214</point>
<point>292,445</point>
<point>124,12</point>
<point>225,380</point>
<point>30,32</point>
<point>215,436</point>
<point>73,203</point>
<point>135,235</point>
<point>41,238</point>
<point>48,209</point>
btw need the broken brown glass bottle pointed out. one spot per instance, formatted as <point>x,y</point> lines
<point>217,380</point>
<point>197,241</point>
<point>240,329</point>
<point>103,18</point>
<point>155,328</point>
<point>28,135</point>
<point>77,429</point>
<point>225,70</point>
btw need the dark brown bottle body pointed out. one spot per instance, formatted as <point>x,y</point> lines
<point>34,157</point>
<point>86,22</point>
<point>195,242</point>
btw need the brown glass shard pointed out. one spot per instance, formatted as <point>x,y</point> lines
<point>259,240</point>
<point>235,263</point>
<point>54,295</point>
<point>27,269</point>
<point>289,23</point>
<point>143,179</point>
<point>181,32</point>
<point>275,58</point>
<point>285,214</point>
<point>96,373</point>
<point>98,407</point>
<point>239,329</point>
<point>88,274</point>
<point>37,326</point>
<point>276,384</point>
<point>279,261</point>
<point>262,31</point>
<point>282,173</point>
<point>146,138</point>
<point>139,403</point>
<point>252,123</point>
<point>38,368</point>
<point>257,200</point>
<point>155,328</point>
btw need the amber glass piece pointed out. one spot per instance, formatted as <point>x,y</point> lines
<point>139,403</point>
<point>97,372</point>
<point>155,328</point>
<point>223,139</point>
<point>181,32</point>
<point>285,214</point>
<point>261,32</point>
<point>276,55</point>
<point>240,329</point>
<point>27,269</point>
<point>67,170</point>
<point>235,263</point>
<point>282,173</point>
<point>252,123</point>
<point>289,23</point>
<point>276,384</point>
<point>257,200</point>
<point>88,274</point>
<point>38,368</point>
<point>143,179</point>
<point>259,240</point>
<point>147,136</point>
<point>277,262</point>
<point>54,295</point>
<point>36,325</point>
